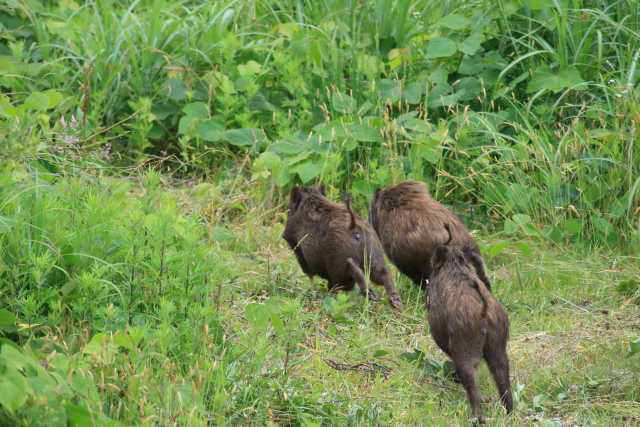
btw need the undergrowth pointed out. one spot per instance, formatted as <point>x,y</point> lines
<point>146,301</point>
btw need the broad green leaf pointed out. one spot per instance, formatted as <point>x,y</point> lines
<point>14,358</point>
<point>197,110</point>
<point>210,130</point>
<point>289,148</point>
<point>381,352</point>
<point>495,249</point>
<point>455,22</point>
<point>245,137</point>
<point>79,416</point>
<point>634,347</point>
<point>175,89</point>
<point>308,170</point>
<point>36,101</point>
<point>390,90</point>
<point>471,44</point>
<point>468,88</point>
<point>546,79</point>
<point>259,102</point>
<point>428,148</point>
<point>343,103</point>
<point>471,65</point>
<point>14,389</point>
<point>521,219</point>
<point>363,133</point>
<point>186,124</point>
<point>436,100</point>
<point>413,92</point>
<point>250,68</point>
<point>441,47</point>
<point>7,319</point>
<point>268,161</point>
<point>417,125</point>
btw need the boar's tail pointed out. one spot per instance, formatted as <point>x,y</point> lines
<point>347,201</point>
<point>485,295</point>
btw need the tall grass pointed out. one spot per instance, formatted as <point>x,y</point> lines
<point>485,101</point>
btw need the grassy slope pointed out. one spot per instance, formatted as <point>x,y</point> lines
<point>201,359</point>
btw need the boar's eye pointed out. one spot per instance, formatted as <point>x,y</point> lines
<point>357,236</point>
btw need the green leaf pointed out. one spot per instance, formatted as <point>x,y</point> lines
<point>364,133</point>
<point>441,47</point>
<point>209,130</point>
<point>471,44</point>
<point>381,352</point>
<point>455,22</point>
<point>245,137</point>
<point>36,101</point>
<point>197,110</point>
<point>7,319</point>
<point>308,170</point>
<point>186,124</point>
<point>14,389</point>
<point>250,68</point>
<point>495,249</point>
<point>175,89</point>
<point>268,161</point>
<point>79,416</point>
<point>468,88</point>
<point>343,103</point>
<point>634,347</point>
<point>413,356</point>
<point>413,92</point>
<point>428,148</point>
<point>546,79</point>
<point>390,90</point>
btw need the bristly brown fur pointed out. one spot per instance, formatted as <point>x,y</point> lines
<point>409,224</point>
<point>468,323</point>
<point>331,241</point>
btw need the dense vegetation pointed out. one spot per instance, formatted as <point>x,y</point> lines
<point>146,148</point>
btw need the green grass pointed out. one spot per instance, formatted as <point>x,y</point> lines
<point>151,302</point>
<point>146,152</point>
<point>526,110</point>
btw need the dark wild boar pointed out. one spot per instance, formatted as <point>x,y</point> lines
<point>409,224</point>
<point>468,323</point>
<point>331,241</point>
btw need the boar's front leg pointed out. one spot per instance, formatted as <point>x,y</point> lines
<point>358,276</point>
<point>383,277</point>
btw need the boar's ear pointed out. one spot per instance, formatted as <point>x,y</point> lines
<point>322,189</point>
<point>439,257</point>
<point>295,199</point>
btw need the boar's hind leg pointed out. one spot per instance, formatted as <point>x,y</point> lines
<point>358,276</point>
<point>499,367</point>
<point>466,373</point>
<point>383,277</point>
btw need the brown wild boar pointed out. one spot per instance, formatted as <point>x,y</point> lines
<point>468,323</point>
<point>331,241</point>
<point>409,224</point>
